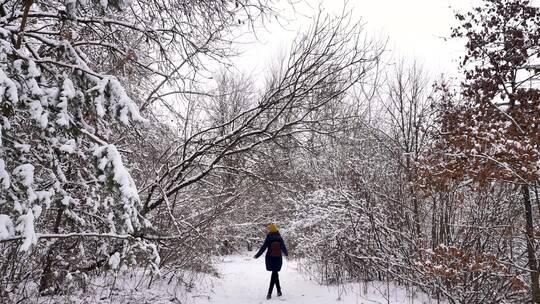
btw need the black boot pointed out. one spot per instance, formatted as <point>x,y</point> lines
<point>268,296</point>
<point>279,293</point>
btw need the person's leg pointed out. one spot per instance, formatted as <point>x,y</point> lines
<point>278,286</point>
<point>272,282</point>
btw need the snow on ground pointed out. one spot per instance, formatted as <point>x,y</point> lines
<point>242,280</point>
<point>245,280</point>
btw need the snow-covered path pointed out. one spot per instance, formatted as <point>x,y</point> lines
<point>244,280</point>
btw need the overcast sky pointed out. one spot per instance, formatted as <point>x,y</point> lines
<point>415,29</point>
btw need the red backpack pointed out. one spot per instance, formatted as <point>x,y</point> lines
<point>275,249</point>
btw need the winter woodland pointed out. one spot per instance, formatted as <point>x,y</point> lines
<point>132,149</point>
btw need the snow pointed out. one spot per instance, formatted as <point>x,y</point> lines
<point>25,173</point>
<point>74,217</point>
<point>69,147</point>
<point>114,260</point>
<point>63,116</point>
<point>24,148</point>
<point>37,210</point>
<point>98,102</point>
<point>157,258</point>
<point>68,89</point>
<point>6,226</point>
<point>38,114</point>
<point>7,88</point>
<point>26,226</point>
<point>245,280</point>
<point>242,280</point>
<point>109,159</point>
<point>33,70</point>
<point>4,176</point>
<point>118,103</point>
<point>67,94</point>
<point>66,200</point>
<point>127,108</point>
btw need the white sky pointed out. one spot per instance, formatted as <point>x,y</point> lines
<point>414,29</point>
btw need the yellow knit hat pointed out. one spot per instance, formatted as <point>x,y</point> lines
<point>272,228</point>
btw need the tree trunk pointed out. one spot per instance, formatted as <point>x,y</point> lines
<point>536,197</point>
<point>416,210</point>
<point>533,263</point>
<point>46,280</point>
<point>26,9</point>
<point>434,238</point>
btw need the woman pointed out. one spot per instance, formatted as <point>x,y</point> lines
<point>275,245</point>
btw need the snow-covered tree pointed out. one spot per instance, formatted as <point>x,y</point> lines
<point>61,176</point>
<point>492,133</point>
<point>73,75</point>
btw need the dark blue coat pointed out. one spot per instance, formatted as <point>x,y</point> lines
<point>273,257</point>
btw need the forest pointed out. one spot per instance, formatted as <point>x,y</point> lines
<point>130,145</point>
